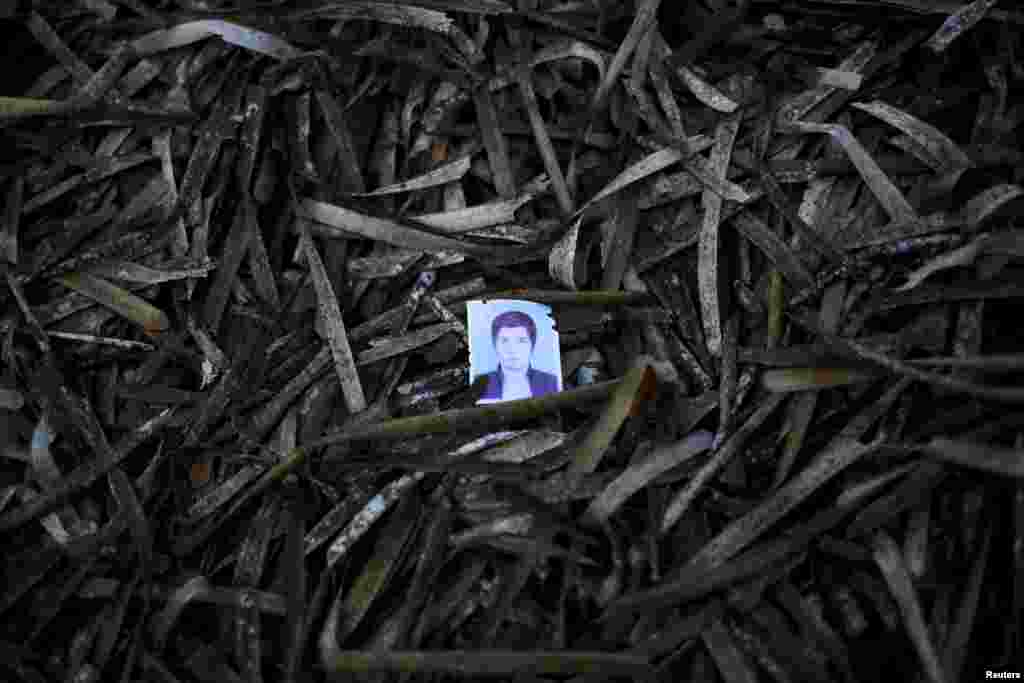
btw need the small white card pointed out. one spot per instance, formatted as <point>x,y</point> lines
<point>514,344</point>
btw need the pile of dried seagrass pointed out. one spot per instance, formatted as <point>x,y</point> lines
<point>238,434</point>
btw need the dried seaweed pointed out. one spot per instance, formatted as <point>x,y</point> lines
<point>238,250</point>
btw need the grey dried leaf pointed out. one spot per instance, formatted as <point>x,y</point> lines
<point>191,32</point>
<point>709,273</point>
<point>337,337</point>
<point>640,474</point>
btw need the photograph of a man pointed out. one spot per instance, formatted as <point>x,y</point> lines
<point>514,350</point>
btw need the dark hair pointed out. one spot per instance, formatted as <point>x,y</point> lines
<point>514,319</point>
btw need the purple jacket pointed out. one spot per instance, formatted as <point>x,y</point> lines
<point>541,383</point>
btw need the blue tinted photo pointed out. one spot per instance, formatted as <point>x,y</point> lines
<point>514,345</point>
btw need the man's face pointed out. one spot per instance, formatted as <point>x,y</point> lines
<point>514,348</point>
